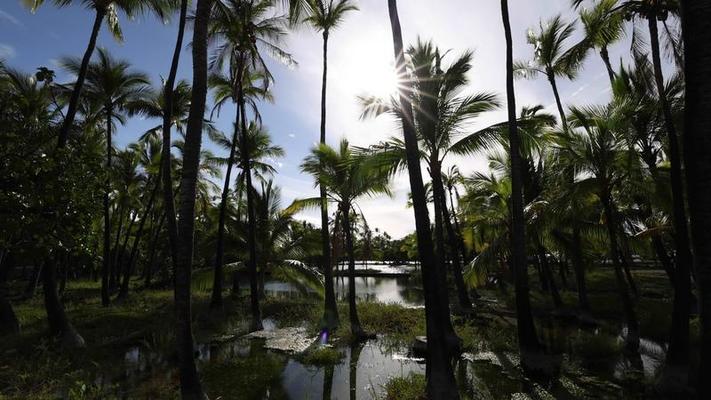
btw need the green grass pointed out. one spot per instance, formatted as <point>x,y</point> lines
<point>595,349</point>
<point>411,387</point>
<point>321,356</point>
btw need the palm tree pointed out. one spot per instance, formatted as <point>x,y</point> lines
<point>244,33</point>
<point>190,387</point>
<point>551,59</point>
<point>110,83</point>
<point>440,376</point>
<point>322,16</point>
<point>441,115</point>
<point>104,10</point>
<point>603,27</point>
<point>346,178</point>
<point>697,144</point>
<point>527,339</point>
<point>597,146</point>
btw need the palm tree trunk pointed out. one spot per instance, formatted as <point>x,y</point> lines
<point>168,196</point>
<point>440,377</point>
<point>605,55</point>
<point>154,246</point>
<point>464,301</point>
<point>9,324</point>
<point>81,76</point>
<point>106,263</point>
<point>696,16</point>
<point>122,269</point>
<point>579,269</point>
<point>256,324</point>
<point>527,338</point>
<point>548,276</point>
<point>216,299</point>
<point>558,103</point>
<point>190,387</point>
<point>330,320</point>
<point>356,328</point>
<point>59,325</point>
<point>677,360</point>
<point>34,281</point>
<point>356,348</point>
<point>123,292</point>
<point>632,339</point>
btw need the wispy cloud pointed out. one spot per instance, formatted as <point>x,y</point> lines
<point>7,51</point>
<point>7,17</point>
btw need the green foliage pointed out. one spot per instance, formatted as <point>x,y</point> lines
<point>411,387</point>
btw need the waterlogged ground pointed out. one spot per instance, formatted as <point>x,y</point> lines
<point>130,353</point>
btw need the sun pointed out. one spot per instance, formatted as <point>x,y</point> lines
<point>368,71</point>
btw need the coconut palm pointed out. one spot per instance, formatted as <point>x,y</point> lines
<point>441,117</point>
<point>440,376</point>
<point>323,16</point>
<point>190,386</point>
<point>105,10</point>
<point>696,15</point>
<point>243,34</point>
<point>112,84</point>
<point>597,146</point>
<point>346,179</point>
<point>226,90</point>
<point>551,58</point>
<point>603,27</point>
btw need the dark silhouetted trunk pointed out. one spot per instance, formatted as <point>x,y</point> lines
<point>121,267</point>
<point>627,263</point>
<point>154,246</point>
<point>31,288</point>
<point>9,324</point>
<point>440,377</point>
<point>168,114</point>
<point>256,323</point>
<point>356,328</point>
<point>123,292</point>
<point>356,348</point>
<point>632,338</point>
<point>548,276</point>
<point>696,27</point>
<point>59,325</point>
<point>330,320</point>
<point>190,387</point>
<point>460,241</point>
<point>106,263</point>
<point>527,338</point>
<point>605,55</point>
<point>558,102</point>
<point>217,283</point>
<point>677,360</point>
<point>81,76</point>
<point>579,269</point>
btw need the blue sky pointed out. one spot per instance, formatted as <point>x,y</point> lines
<point>360,62</point>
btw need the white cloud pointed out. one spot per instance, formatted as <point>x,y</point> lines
<point>7,51</point>
<point>7,17</point>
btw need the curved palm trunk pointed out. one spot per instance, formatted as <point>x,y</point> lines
<point>696,16</point>
<point>219,278</point>
<point>677,360</point>
<point>527,338</point>
<point>356,328</point>
<point>605,55</point>
<point>81,76</point>
<point>440,377</point>
<point>558,102</point>
<point>256,324</point>
<point>632,339</point>
<point>330,320</point>
<point>548,276</point>
<point>59,325</point>
<point>190,387</point>
<point>168,195</point>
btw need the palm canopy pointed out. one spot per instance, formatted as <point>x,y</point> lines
<point>111,8</point>
<point>152,105</point>
<point>111,83</point>
<point>239,30</point>
<point>443,115</point>
<point>345,174</point>
<point>551,58</point>
<point>321,15</point>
